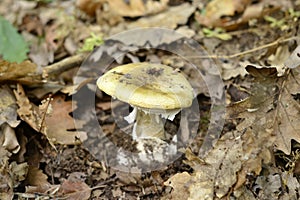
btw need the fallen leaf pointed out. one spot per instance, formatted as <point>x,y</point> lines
<point>27,111</point>
<point>89,6</point>
<point>268,186</point>
<point>36,177</point>
<point>50,118</point>
<point>170,18</point>
<point>229,14</point>
<point>294,60</point>
<point>10,140</point>
<point>271,106</point>
<point>8,107</point>
<point>59,124</point>
<point>13,46</point>
<point>75,190</point>
<point>292,183</point>
<point>235,155</point>
<point>136,8</point>
<point>232,70</point>
<point>217,10</point>
<point>6,190</point>
<point>18,172</point>
<point>180,184</point>
<point>17,71</point>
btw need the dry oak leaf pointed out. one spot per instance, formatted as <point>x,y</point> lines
<point>272,106</point>
<point>27,111</point>
<point>59,124</point>
<point>137,8</point>
<point>51,119</point>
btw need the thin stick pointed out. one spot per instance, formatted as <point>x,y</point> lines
<point>64,65</point>
<point>276,42</point>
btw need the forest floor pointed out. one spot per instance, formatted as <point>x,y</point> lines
<point>63,138</point>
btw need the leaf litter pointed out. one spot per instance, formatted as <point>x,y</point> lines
<point>41,150</point>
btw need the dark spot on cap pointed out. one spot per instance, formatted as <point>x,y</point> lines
<point>128,76</point>
<point>118,73</point>
<point>155,71</point>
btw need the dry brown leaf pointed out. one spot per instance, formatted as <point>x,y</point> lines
<point>271,107</point>
<point>51,119</point>
<point>8,107</point>
<point>27,111</point>
<point>136,8</point>
<point>89,6</point>
<point>6,191</point>
<point>229,14</point>
<point>17,71</point>
<point>235,155</point>
<point>75,190</point>
<point>216,10</point>
<point>10,139</point>
<point>232,70</point>
<point>170,18</point>
<point>292,183</point>
<point>180,184</point>
<point>59,123</point>
<point>36,177</point>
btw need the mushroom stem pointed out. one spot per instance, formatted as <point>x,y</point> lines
<point>148,125</point>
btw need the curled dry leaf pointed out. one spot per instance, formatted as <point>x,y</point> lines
<point>8,107</point>
<point>271,107</point>
<point>170,18</point>
<point>11,174</point>
<point>137,8</point>
<point>216,10</point>
<point>6,191</point>
<point>229,14</point>
<point>27,111</point>
<point>10,140</point>
<point>268,187</point>
<point>50,118</point>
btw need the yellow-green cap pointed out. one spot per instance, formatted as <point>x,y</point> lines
<point>147,85</point>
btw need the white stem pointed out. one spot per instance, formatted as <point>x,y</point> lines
<point>148,125</point>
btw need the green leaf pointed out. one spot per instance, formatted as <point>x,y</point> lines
<point>91,42</point>
<point>217,32</point>
<point>13,47</point>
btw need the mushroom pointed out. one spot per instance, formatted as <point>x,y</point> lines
<point>155,91</point>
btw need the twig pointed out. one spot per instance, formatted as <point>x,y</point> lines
<point>63,65</point>
<point>276,42</point>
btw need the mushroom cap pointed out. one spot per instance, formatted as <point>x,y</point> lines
<point>147,85</point>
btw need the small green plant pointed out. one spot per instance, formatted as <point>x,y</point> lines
<point>91,42</point>
<point>275,23</point>
<point>13,47</point>
<point>294,14</point>
<point>217,32</point>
